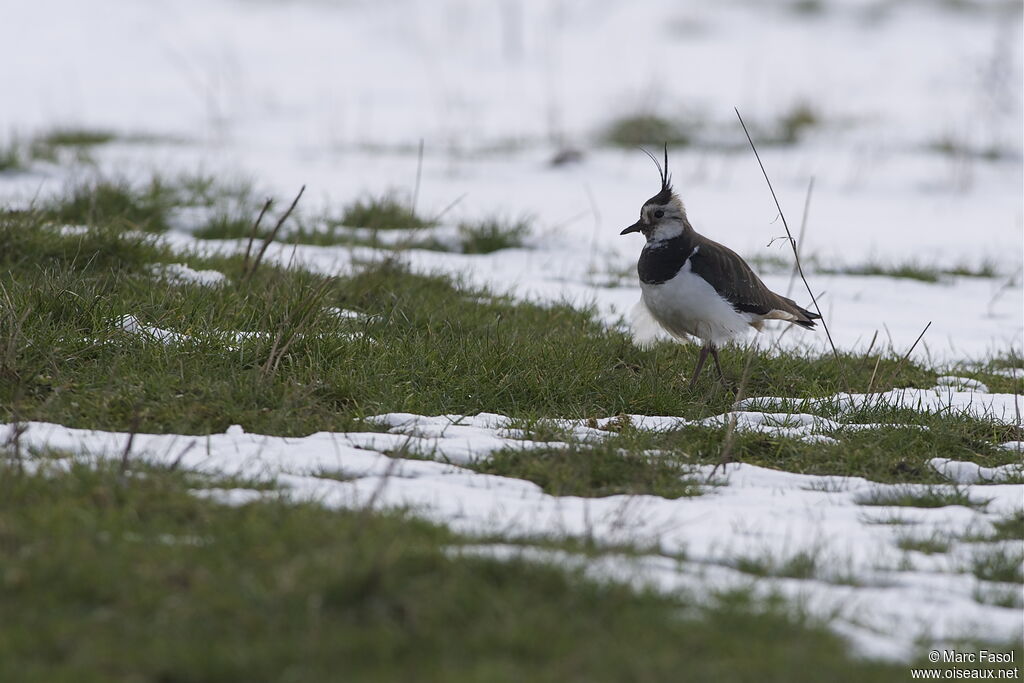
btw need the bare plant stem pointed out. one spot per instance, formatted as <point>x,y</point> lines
<point>874,372</point>
<point>448,208</point>
<point>253,232</point>
<point>251,269</point>
<point>874,338</point>
<point>126,455</point>
<point>796,252</point>
<point>181,456</point>
<point>14,438</point>
<point>419,175</point>
<point>899,364</point>
<point>803,231</point>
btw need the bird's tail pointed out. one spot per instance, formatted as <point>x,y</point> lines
<point>807,318</point>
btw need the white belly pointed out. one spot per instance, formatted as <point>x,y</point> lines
<point>688,305</point>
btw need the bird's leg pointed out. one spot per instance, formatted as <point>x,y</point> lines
<point>700,363</point>
<point>718,365</point>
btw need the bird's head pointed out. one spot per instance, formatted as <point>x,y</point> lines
<point>663,215</point>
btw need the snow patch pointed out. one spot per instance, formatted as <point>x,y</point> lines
<point>149,333</point>
<point>181,274</point>
<point>1003,408</point>
<point>882,598</point>
<point>961,384</point>
<point>972,473</point>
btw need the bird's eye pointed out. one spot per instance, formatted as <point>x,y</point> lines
<point>659,213</point>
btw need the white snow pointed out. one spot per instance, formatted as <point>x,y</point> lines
<point>337,96</point>
<point>284,94</point>
<point>961,384</point>
<point>886,600</point>
<point>179,273</point>
<point>130,324</point>
<point>1003,408</point>
<point>972,473</point>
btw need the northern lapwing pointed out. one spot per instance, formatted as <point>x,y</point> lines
<point>694,286</point>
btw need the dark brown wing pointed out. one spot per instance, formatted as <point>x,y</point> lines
<point>735,282</point>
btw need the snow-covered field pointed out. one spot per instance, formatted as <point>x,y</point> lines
<point>337,96</point>
<point>888,600</point>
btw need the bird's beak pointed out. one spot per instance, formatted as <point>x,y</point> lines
<point>636,227</point>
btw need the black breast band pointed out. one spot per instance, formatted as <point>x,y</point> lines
<point>661,261</point>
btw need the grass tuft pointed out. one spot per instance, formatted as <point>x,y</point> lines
<point>224,225</point>
<point>999,564</point>
<point>12,157</point>
<point>492,234</point>
<point>386,212</point>
<point>807,7</point>
<point>958,149</point>
<point>934,544</point>
<point>647,129</point>
<point>1010,597</point>
<point>110,203</point>
<point>75,137</point>
<point>913,270</point>
<point>1010,527</point>
<point>803,565</point>
<point>794,123</point>
<point>593,469</point>
<point>926,497</point>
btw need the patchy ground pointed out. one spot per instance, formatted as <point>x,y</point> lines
<point>441,331</point>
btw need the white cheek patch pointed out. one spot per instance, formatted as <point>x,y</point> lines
<point>666,231</point>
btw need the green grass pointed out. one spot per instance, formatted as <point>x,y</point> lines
<point>958,149</point>
<point>793,124</point>
<point>1009,597</point>
<point>647,129</point>
<point>336,234</point>
<point>594,469</point>
<point>891,454</point>
<point>476,237</point>
<point>934,544</point>
<point>802,565</point>
<point>385,212</point>
<point>224,225</point>
<point>989,373</point>
<point>1000,564</point>
<point>79,142</point>
<point>11,156</point>
<point>122,205</point>
<point>929,497</point>
<point>115,204</point>
<point>426,345</point>
<point>17,153</point>
<point>913,270</point>
<point>75,137</point>
<point>127,576</point>
<point>807,7</point>
<point>1010,527</point>
<point>110,575</point>
<point>492,234</point>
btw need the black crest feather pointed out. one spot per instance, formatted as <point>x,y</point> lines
<point>665,194</point>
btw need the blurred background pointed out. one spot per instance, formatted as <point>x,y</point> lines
<point>907,114</point>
